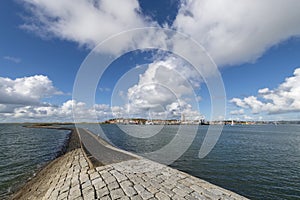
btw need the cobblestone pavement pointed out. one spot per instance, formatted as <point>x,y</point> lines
<point>132,179</point>
<point>52,180</point>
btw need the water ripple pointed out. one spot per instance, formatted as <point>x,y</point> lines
<point>23,150</point>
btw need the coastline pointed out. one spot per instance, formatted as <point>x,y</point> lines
<point>70,144</point>
<point>57,180</point>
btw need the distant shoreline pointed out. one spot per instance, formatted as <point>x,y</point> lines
<point>224,122</point>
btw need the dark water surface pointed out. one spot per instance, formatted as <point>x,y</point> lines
<point>23,151</point>
<point>259,162</point>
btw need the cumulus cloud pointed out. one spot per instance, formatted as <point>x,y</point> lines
<point>83,21</point>
<point>236,31</point>
<point>232,31</point>
<point>26,90</point>
<point>164,88</point>
<point>283,99</point>
<point>23,97</point>
<point>237,112</point>
<point>64,112</point>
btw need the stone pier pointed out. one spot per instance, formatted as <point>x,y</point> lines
<point>71,177</point>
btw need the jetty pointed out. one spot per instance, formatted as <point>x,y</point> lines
<point>91,168</point>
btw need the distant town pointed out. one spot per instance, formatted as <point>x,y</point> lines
<point>141,121</point>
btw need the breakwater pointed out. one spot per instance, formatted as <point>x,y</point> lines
<point>118,175</point>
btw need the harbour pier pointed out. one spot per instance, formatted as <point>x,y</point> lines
<point>91,168</point>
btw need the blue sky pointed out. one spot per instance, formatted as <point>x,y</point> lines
<point>43,45</point>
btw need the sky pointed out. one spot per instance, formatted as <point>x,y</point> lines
<point>253,45</point>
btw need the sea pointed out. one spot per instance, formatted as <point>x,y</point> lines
<point>23,151</point>
<point>256,161</point>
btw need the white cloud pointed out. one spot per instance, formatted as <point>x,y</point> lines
<point>246,117</point>
<point>283,99</point>
<point>50,113</point>
<point>21,99</point>
<point>235,31</point>
<point>12,59</point>
<point>82,21</point>
<point>239,102</point>
<point>26,90</point>
<point>237,112</point>
<point>164,89</point>
<point>232,31</point>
